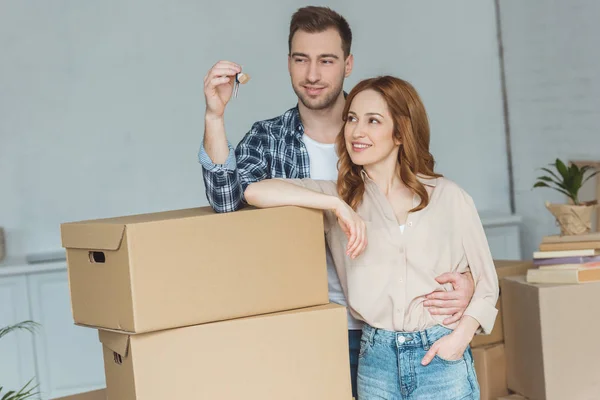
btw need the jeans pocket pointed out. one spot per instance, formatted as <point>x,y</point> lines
<point>450,362</point>
<point>364,347</point>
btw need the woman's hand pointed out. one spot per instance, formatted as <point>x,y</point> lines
<point>354,228</point>
<point>452,346</point>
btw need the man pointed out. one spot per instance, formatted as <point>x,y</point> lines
<point>300,142</point>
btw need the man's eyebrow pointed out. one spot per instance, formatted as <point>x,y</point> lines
<point>326,55</point>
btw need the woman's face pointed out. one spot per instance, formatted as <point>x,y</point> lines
<point>369,130</point>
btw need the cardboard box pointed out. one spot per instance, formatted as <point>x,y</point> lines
<point>551,339</point>
<point>94,395</point>
<point>504,268</point>
<point>157,271</point>
<point>490,367</point>
<point>512,397</point>
<point>299,354</point>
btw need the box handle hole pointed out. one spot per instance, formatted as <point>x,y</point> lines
<point>118,358</point>
<point>97,257</point>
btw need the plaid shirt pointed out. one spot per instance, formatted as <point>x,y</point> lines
<point>272,149</point>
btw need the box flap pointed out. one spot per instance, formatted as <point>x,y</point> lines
<point>92,236</point>
<point>506,268</point>
<point>117,342</point>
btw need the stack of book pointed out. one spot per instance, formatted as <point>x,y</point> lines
<point>567,259</point>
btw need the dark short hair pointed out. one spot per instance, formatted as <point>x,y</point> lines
<point>313,19</point>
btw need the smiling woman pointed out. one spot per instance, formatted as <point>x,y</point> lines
<point>386,179</point>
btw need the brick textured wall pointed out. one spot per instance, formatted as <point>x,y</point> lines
<point>552,61</point>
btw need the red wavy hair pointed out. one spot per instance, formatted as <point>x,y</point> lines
<point>411,129</point>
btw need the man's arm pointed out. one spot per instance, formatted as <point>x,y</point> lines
<point>218,87</point>
<point>225,183</point>
<point>219,167</point>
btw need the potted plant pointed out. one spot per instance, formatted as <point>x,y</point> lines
<point>574,218</point>
<point>26,391</point>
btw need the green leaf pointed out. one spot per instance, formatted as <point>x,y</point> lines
<point>8,395</point>
<point>562,169</point>
<point>29,326</point>
<point>26,392</point>
<point>552,173</point>
<point>542,184</point>
<point>548,179</point>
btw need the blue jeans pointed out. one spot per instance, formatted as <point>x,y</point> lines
<point>390,368</point>
<point>354,344</point>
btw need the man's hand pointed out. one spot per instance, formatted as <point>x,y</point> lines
<point>218,87</point>
<point>452,303</point>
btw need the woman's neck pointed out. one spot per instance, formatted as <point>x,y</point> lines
<point>386,176</point>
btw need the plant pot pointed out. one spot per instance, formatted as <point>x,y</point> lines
<point>572,219</point>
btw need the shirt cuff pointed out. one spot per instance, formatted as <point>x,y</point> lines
<point>230,165</point>
<point>484,313</point>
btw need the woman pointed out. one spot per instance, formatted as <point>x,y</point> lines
<point>393,225</point>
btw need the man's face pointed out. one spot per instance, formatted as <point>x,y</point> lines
<point>318,68</point>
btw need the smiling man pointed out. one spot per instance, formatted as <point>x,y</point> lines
<point>300,142</point>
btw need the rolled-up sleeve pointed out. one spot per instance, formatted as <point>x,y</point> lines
<point>481,264</point>
<point>321,186</point>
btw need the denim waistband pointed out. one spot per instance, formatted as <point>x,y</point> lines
<point>424,338</point>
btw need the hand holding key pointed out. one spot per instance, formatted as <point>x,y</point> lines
<point>240,78</point>
<point>218,87</point>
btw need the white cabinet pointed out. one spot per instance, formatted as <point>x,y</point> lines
<point>69,357</point>
<point>65,358</point>
<point>17,360</point>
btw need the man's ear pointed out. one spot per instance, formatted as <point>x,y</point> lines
<point>349,64</point>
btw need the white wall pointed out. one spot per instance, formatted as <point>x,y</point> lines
<point>553,80</point>
<point>101,102</point>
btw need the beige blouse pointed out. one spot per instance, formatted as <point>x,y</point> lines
<point>386,285</point>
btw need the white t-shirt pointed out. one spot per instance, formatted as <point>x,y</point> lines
<point>323,166</point>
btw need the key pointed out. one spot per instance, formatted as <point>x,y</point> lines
<point>239,78</point>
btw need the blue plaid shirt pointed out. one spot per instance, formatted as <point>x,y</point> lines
<point>272,149</point>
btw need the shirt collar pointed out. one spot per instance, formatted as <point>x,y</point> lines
<point>296,123</point>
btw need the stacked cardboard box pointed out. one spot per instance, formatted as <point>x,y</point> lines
<point>551,339</point>
<point>488,350</point>
<point>193,304</point>
<point>512,397</point>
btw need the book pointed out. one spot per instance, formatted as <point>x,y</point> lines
<point>588,237</point>
<point>579,275</point>
<point>569,246</point>
<point>565,260</point>
<point>565,253</point>
<point>571,266</point>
